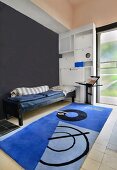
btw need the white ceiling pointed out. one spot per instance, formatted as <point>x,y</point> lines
<point>27,8</point>
<point>77,2</point>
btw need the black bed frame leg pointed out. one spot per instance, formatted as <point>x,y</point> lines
<point>72,99</point>
<point>20,119</point>
<point>6,116</point>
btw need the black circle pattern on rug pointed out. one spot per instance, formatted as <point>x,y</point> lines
<point>74,159</point>
<point>63,115</point>
<point>62,150</point>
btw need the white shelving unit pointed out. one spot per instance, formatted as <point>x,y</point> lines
<point>74,45</point>
<point>83,44</point>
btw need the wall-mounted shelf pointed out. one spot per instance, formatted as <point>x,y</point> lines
<point>74,45</point>
<point>72,68</point>
<point>76,39</point>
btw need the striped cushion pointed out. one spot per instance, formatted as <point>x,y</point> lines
<point>26,91</point>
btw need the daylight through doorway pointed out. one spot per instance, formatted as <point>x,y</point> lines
<point>108,67</point>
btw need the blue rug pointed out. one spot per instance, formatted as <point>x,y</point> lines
<point>51,143</point>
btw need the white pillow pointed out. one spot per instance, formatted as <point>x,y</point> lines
<point>28,90</point>
<point>65,88</point>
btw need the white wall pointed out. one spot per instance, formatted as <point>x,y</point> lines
<point>27,8</point>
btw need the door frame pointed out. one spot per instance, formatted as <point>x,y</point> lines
<point>100,30</point>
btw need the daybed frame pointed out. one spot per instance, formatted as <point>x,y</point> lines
<point>13,109</point>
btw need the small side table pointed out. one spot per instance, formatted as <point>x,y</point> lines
<point>88,86</point>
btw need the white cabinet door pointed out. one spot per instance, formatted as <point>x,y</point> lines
<point>84,41</point>
<point>64,45</point>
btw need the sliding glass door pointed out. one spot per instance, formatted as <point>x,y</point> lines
<point>108,67</point>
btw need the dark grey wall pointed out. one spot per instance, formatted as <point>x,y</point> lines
<point>28,53</point>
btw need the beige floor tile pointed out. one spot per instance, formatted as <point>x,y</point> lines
<point>7,163</point>
<point>102,139</point>
<point>90,164</point>
<point>110,161</point>
<point>112,144</point>
<point>109,125</point>
<point>96,155</point>
<point>111,122</point>
<point>112,147</point>
<point>99,147</point>
<point>107,130</point>
<point>111,153</point>
<point>113,139</point>
<point>105,167</point>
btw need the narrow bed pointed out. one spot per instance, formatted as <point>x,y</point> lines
<point>18,105</point>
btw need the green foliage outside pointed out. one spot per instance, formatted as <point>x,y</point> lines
<point>111,93</point>
<point>109,53</point>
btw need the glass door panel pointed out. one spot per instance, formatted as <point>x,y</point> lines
<point>108,67</point>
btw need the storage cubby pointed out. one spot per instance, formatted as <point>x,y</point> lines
<point>83,40</point>
<point>66,43</point>
<point>77,45</point>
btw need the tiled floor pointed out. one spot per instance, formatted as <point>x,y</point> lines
<point>6,127</point>
<point>103,155</point>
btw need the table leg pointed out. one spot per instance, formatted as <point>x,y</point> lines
<point>86,94</point>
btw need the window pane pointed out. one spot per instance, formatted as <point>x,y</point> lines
<point>108,64</point>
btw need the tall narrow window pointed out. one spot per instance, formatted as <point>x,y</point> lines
<point>108,67</point>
